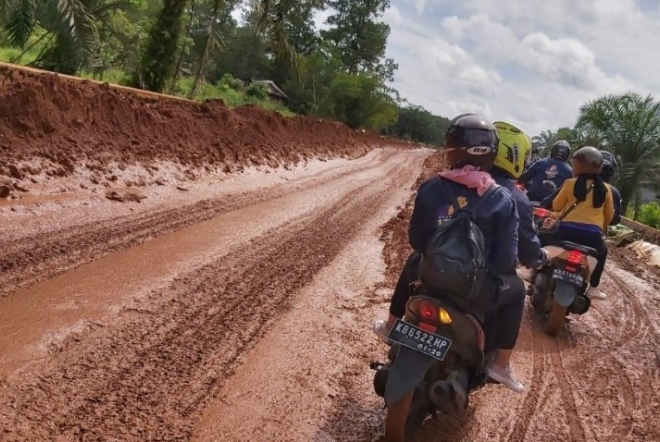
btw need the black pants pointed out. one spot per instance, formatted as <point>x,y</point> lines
<point>505,296</point>
<point>585,238</point>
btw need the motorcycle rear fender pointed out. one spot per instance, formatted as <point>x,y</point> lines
<point>406,373</point>
<point>555,251</point>
<point>467,336</point>
<point>565,293</point>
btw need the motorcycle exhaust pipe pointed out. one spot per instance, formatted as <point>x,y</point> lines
<point>450,395</point>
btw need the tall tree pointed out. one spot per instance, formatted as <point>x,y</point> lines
<point>212,37</point>
<point>159,58</point>
<point>630,124</point>
<point>359,37</point>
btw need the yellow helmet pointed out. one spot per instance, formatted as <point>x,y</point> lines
<point>514,149</point>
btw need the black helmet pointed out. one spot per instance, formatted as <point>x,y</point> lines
<point>610,165</point>
<point>561,150</point>
<point>473,134</point>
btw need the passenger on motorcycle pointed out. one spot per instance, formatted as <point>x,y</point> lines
<point>588,220</point>
<point>555,169</point>
<point>471,144</point>
<point>610,167</point>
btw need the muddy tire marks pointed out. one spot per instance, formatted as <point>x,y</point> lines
<point>147,376</point>
<point>35,258</point>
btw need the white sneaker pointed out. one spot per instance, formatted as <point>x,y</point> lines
<point>504,376</point>
<point>525,274</point>
<point>380,328</point>
<point>595,293</point>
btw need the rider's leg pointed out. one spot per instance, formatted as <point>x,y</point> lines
<point>510,306</point>
<point>400,296</point>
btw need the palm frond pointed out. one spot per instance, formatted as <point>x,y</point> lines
<point>21,20</point>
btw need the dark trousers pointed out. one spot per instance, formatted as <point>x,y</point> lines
<point>585,238</point>
<point>503,301</point>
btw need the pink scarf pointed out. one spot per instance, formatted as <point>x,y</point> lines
<point>470,177</point>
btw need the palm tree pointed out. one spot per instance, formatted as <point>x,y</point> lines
<point>630,125</point>
<point>71,36</point>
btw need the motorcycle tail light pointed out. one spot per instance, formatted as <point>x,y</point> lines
<point>428,311</point>
<point>575,257</point>
<point>541,212</point>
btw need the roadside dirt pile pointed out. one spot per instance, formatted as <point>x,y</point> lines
<point>62,126</point>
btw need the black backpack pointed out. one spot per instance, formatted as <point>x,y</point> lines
<point>454,263</point>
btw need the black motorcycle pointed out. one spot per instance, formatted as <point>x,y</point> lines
<point>560,287</point>
<point>437,357</point>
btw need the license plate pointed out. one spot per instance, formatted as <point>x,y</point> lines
<point>430,344</point>
<point>572,278</point>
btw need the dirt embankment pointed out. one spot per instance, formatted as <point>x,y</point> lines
<point>53,127</point>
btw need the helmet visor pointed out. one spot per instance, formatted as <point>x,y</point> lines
<point>475,141</point>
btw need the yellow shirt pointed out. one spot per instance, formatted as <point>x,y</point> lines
<point>584,212</point>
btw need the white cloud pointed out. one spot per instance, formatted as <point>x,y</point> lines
<point>531,61</point>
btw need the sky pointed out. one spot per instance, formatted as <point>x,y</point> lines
<point>530,62</point>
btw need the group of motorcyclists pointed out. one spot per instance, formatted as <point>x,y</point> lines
<point>477,160</point>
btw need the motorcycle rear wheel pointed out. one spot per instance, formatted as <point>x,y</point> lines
<point>555,320</point>
<point>404,418</point>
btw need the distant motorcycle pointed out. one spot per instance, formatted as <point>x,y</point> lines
<point>437,358</point>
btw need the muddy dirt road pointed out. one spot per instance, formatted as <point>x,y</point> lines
<point>242,312</point>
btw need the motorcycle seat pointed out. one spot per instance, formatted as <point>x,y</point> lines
<point>589,251</point>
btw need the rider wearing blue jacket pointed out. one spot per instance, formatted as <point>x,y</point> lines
<point>471,146</point>
<point>555,169</point>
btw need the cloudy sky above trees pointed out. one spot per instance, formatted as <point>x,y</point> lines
<point>533,62</point>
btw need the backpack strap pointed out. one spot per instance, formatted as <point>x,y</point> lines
<point>575,204</point>
<point>454,200</point>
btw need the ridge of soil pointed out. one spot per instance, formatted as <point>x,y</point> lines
<point>56,126</point>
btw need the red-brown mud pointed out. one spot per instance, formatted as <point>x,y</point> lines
<point>211,306</point>
<point>55,126</point>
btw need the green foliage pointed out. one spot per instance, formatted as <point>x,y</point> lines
<point>360,36</point>
<point>629,125</point>
<point>649,214</point>
<point>360,101</point>
<point>417,124</point>
<point>258,91</point>
<point>229,82</point>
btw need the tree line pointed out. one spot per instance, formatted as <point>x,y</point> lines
<point>340,72</point>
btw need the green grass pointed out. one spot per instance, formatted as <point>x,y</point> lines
<point>8,55</point>
<point>207,91</point>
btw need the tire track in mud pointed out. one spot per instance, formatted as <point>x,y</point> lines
<point>641,331</point>
<point>534,398</point>
<point>147,376</point>
<point>39,257</point>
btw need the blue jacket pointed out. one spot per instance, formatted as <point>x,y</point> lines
<point>497,218</point>
<point>543,170</point>
<point>616,196</point>
<point>529,246</point>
